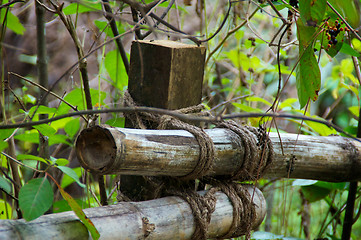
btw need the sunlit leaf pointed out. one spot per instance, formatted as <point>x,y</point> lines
<point>71,173</point>
<point>5,184</point>
<point>116,70</point>
<point>79,212</point>
<point>67,180</point>
<point>82,7</point>
<point>12,22</point>
<point>314,193</point>
<point>72,127</point>
<point>349,50</point>
<point>45,129</point>
<point>308,75</point>
<point>28,136</point>
<point>246,108</point>
<point>25,157</point>
<point>35,198</point>
<point>312,11</point>
<point>116,122</point>
<point>5,210</point>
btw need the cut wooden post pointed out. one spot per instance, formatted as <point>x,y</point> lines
<point>175,153</point>
<point>160,219</point>
<point>166,74</point>
<point>163,74</point>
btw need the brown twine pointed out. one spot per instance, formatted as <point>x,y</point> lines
<point>203,206</point>
<point>206,146</point>
<point>258,155</point>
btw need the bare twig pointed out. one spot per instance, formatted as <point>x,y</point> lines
<point>46,90</point>
<point>11,3</point>
<point>183,117</point>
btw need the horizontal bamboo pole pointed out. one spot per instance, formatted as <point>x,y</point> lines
<point>109,150</point>
<point>164,218</point>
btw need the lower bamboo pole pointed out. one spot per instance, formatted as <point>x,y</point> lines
<point>164,218</point>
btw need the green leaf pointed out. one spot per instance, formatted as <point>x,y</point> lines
<point>71,173</point>
<point>116,122</point>
<point>84,6</point>
<point>3,145</point>
<point>312,11</point>
<point>246,108</point>
<point>25,157</point>
<point>28,136</point>
<point>72,127</point>
<point>308,75</point>
<point>258,99</point>
<point>5,210</point>
<point>41,110</point>
<point>350,11</point>
<point>76,99</point>
<point>12,22</point>
<point>5,184</point>
<point>314,193</point>
<point>116,70</point>
<point>35,198</point>
<point>58,138</point>
<point>347,49</point>
<point>5,133</point>
<point>67,180</point>
<point>63,206</point>
<point>45,129</point>
<point>61,161</point>
<point>354,110</point>
<point>81,215</point>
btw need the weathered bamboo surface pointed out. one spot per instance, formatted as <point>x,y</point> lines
<point>175,153</point>
<point>164,218</point>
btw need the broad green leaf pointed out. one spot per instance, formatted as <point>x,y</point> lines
<point>28,136</point>
<point>58,138</point>
<point>5,133</point>
<point>246,108</point>
<point>72,127</point>
<point>24,157</point>
<point>76,99</point>
<point>5,210</point>
<point>41,110</point>
<point>61,161</point>
<point>116,70</point>
<point>320,128</point>
<point>3,145</point>
<point>258,99</point>
<point>103,26</point>
<point>12,22</point>
<point>347,49</point>
<point>45,129</point>
<point>79,212</point>
<point>331,185</point>
<point>312,11</point>
<point>116,122</point>
<point>354,110</point>
<point>71,173</point>
<point>349,10</point>
<point>287,103</point>
<point>35,198</point>
<point>67,180</point>
<point>63,206</point>
<point>82,7</point>
<point>308,75</point>
<point>314,193</point>
<point>5,185</point>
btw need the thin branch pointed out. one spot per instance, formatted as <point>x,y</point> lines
<point>183,117</point>
<point>10,3</point>
<point>46,90</point>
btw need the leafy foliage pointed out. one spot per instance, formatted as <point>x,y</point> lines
<point>252,65</point>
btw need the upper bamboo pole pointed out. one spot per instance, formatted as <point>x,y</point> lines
<point>175,152</point>
<point>164,218</point>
